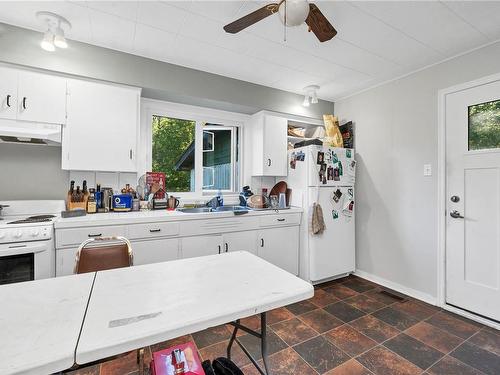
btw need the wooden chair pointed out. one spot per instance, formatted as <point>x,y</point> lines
<point>105,253</point>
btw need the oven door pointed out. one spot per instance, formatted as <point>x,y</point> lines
<point>24,262</point>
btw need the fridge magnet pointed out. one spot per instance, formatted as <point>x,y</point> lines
<point>341,169</point>
<point>335,214</point>
<point>292,163</point>
<point>348,153</point>
<point>320,158</point>
<point>336,196</point>
<point>320,175</point>
<point>348,208</point>
<point>351,168</point>
<point>329,173</point>
<point>335,158</point>
<point>350,193</point>
<point>323,168</point>
<point>336,175</point>
<point>324,180</point>
<point>301,156</point>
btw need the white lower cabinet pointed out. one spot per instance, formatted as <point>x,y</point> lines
<point>155,251</point>
<point>65,261</point>
<point>280,246</point>
<point>201,245</point>
<point>240,241</point>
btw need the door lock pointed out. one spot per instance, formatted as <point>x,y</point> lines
<point>456,215</point>
<point>455,199</point>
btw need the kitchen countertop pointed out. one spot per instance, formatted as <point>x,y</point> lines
<point>137,217</point>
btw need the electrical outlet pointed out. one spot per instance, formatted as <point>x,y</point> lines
<point>427,170</point>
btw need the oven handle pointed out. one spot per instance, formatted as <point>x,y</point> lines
<point>17,249</point>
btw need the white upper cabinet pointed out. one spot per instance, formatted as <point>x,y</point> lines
<point>269,145</point>
<point>41,98</point>
<point>8,93</point>
<point>101,129</point>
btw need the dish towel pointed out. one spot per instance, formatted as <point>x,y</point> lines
<point>318,223</point>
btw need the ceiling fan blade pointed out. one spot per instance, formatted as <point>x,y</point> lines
<point>251,18</point>
<point>319,25</point>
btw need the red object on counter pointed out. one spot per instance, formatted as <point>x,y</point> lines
<point>162,363</point>
<point>158,177</point>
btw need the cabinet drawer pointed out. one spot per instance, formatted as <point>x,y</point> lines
<point>75,236</point>
<point>277,220</point>
<point>152,230</point>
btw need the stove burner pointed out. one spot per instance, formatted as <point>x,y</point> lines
<point>33,219</point>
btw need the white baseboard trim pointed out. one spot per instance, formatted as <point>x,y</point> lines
<point>397,287</point>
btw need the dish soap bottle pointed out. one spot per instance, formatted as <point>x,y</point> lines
<point>220,198</point>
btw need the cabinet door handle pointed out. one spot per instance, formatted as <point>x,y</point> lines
<point>130,153</point>
<point>261,242</point>
<point>219,248</point>
<point>268,162</point>
<point>95,235</point>
<point>227,247</point>
<point>155,230</point>
<point>281,219</point>
<point>24,103</point>
<point>8,100</point>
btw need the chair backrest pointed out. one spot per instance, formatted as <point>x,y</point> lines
<point>103,253</point>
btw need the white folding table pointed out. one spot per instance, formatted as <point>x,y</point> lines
<point>131,308</point>
<point>40,322</point>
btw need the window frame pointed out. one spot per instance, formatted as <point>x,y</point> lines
<point>201,116</point>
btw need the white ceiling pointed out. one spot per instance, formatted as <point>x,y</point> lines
<point>376,41</point>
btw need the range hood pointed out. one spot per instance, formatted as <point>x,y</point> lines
<point>30,133</point>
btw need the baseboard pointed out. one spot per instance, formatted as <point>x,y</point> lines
<point>397,287</point>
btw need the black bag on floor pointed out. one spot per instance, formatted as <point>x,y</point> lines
<point>207,367</point>
<point>224,366</point>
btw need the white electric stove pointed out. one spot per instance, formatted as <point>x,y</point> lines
<point>27,250</point>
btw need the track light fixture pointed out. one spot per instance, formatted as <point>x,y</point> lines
<point>54,35</point>
<point>311,95</point>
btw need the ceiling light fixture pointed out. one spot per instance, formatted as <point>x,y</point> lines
<point>54,34</point>
<point>310,93</point>
<point>293,12</point>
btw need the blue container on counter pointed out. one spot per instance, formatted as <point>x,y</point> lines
<point>122,202</point>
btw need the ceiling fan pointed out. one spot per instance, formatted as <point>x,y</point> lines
<point>292,13</point>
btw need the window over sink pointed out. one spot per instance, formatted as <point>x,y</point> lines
<point>198,153</point>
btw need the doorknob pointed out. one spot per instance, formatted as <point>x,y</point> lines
<point>456,215</point>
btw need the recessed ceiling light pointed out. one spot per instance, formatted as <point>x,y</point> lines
<point>54,35</point>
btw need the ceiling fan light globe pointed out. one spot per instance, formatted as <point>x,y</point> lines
<point>296,12</point>
<point>59,39</point>
<point>48,42</point>
<point>305,103</point>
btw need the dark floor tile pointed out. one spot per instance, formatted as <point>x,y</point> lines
<point>359,285</point>
<point>285,362</point>
<point>293,331</point>
<point>278,315</point>
<point>487,340</point>
<point>87,370</point>
<point>320,320</point>
<point>382,361</point>
<point>322,298</point>
<point>365,303</point>
<point>476,357</point>
<point>350,340</point>
<point>418,310</point>
<point>387,299</point>
<point>220,350</point>
<point>211,336</point>
<point>169,343</point>
<point>395,318</point>
<point>252,322</point>
<point>344,311</point>
<point>451,323</point>
<point>122,364</point>
<point>435,337</point>
<point>341,292</point>
<point>321,354</point>
<point>351,367</point>
<point>253,344</point>
<point>374,328</point>
<point>301,307</point>
<point>492,330</point>
<point>414,351</point>
<point>451,366</point>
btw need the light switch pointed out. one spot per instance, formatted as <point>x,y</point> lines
<point>427,170</point>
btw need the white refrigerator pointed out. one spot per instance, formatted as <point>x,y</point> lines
<point>326,176</point>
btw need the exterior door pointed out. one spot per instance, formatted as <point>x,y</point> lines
<point>473,199</point>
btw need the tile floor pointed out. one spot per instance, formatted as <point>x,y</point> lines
<point>350,327</point>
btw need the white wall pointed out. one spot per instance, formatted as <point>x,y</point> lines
<point>396,134</point>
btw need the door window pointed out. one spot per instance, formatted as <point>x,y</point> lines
<point>484,125</point>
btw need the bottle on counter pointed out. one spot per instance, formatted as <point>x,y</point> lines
<point>98,196</point>
<point>220,198</point>
<point>91,202</point>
